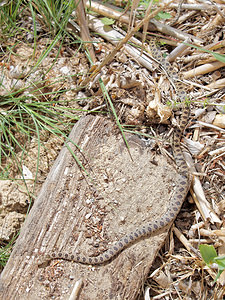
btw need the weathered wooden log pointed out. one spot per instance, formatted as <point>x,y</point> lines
<point>86,213</point>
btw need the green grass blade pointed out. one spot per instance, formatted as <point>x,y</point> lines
<point>218,56</point>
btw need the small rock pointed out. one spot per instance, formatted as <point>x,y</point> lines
<point>88,216</point>
<point>89,201</point>
<point>219,121</point>
<point>209,117</point>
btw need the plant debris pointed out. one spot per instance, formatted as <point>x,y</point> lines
<point>191,35</point>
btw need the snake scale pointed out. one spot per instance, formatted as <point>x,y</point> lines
<point>181,190</point>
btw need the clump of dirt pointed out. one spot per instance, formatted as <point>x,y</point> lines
<point>17,196</point>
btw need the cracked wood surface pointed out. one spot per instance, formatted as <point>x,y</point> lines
<point>75,212</point>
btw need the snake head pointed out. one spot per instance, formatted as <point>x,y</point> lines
<point>43,260</point>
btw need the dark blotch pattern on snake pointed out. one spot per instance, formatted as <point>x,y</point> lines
<point>181,190</point>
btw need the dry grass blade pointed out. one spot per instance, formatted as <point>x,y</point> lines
<point>164,28</point>
<point>106,11</point>
<point>145,26</point>
<point>199,196</point>
<point>120,44</point>
<point>133,13</point>
<point>195,6</point>
<point>84,30</point>
<point>177,51</point>
<point>177,33</point>
<point>206,68</point>
<point>185,242</point>
<point>113,36</point>
<point>218,84</point>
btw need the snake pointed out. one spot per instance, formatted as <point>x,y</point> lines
<point>177,199</point>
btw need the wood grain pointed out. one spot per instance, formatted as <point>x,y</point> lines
<point>86,213</point>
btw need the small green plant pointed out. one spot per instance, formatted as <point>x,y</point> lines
<point>163,15</point>
<point>210,257</point>
<point>107,21</point>
<point>5,251</point>
<point>4,256</point>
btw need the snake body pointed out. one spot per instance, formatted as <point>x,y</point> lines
<point>181,190</point>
